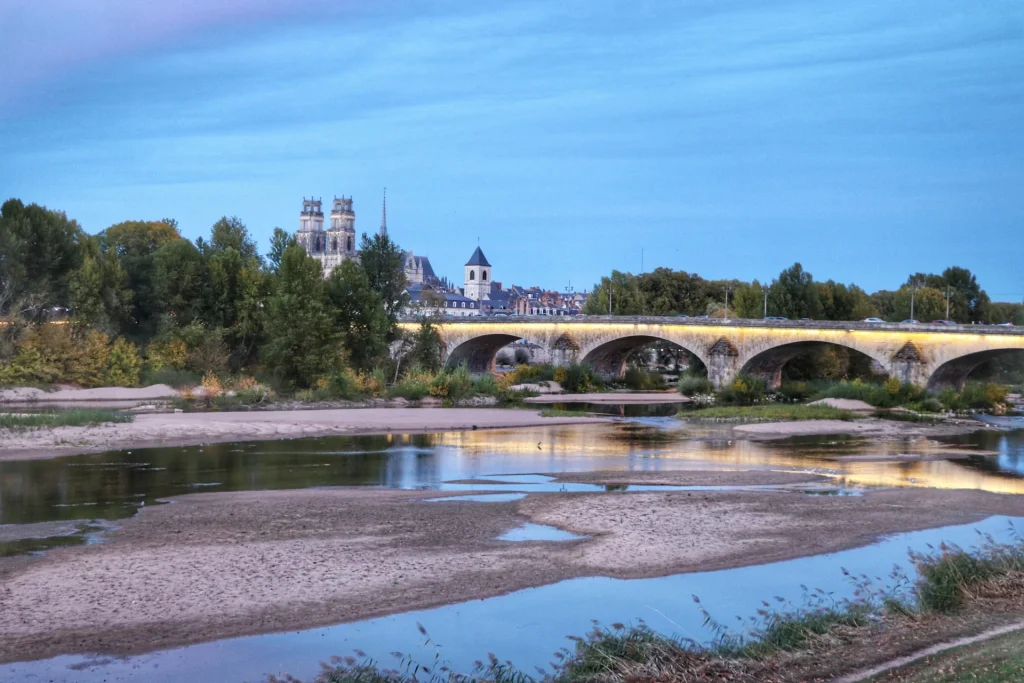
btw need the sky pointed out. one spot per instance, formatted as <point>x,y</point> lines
<point>866,140</point>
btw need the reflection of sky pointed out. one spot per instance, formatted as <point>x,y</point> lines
<point>711,134</point>
<point>526,626</point>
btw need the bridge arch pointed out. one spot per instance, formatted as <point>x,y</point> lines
<point>608,357</point>
<point>768,363</point>
<point>954,372</point>
<point>478,353</point>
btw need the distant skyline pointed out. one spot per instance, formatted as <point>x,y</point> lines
<point>865,140</point>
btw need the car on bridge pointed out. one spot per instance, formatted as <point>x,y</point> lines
<point>873,320</point>
<point>1004,324</point>
<point>944,322</point>
<point>910,321</point>
<point>775,318</point>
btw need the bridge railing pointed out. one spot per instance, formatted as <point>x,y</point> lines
<point>728,322</point>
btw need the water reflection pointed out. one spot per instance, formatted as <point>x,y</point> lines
<point>113,485</point>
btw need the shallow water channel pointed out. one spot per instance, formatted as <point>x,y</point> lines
<point>88,492</point>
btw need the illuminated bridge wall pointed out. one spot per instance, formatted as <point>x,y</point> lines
<point>931,355</point>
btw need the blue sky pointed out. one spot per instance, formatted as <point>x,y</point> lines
<point>864,139</point>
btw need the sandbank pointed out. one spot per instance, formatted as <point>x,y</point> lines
<point>190,429</point>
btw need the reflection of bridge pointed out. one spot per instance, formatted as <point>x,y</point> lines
<point>932,355</point>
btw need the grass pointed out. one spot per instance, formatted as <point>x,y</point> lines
<point>79,417</point>
<point>559,412</point>
<point>773,412</point>
<point>997,660</point>
<point>900,416</point>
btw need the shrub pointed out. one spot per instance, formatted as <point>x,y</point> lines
<point>123,364</point>
<point>503,359</point>
<point>90,360</point>
<point>486,385</point>
<point>888,395</point>
<point>343,384</point>
<point>579,379</point>
<point>522,356</point>
<point>452,384</point>
<point>975,396</point>
<point>931,405</point>
<point>414,385</point>
<point>529,373</point>
<point>694,385</point>
<point>172,354</point>
<point>744,390</point>
<point>641,380</point>
<point>795,392</point>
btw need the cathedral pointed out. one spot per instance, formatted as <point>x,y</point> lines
<point>338,242</point>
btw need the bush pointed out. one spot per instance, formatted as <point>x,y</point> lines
<point>641,380</point>
<point>695,385</point>
<point>932,405</point>
<point>579,379</point>
<point>975,396</point>
<point>522,356</point>
<point>452,384</point>
<point>413,386</point>
<point>888,395</point>
<point>342,385</point>
<point>123,364</point>
<point>745,390</point>
<point>170,354</point>
<point>530,373</point>
<point>503,359</point>
<point>486,385</point>
<point>795,392</point>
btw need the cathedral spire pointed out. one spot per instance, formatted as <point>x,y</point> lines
<point>384,215</point>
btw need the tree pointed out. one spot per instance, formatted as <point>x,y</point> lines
<point>624,289</point>
<point>39,249</point>
<point>279,241</point>
<point>302,342</point>
<point>793,294</point>
<point>382,260</point>
<point>98,291</point>
<point>181,282</point>
<point>748,300</point>
<point>135,243</point>
<point>929,304</point>
<point>231,233</point>
<point>359,315</point>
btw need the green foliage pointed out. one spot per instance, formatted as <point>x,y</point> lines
<point>775,412</point>
<point>745,390</point>
<point>794,295</point>
<point>345,385</point>
<point>279,241</point>
<point>79,417</point>
<point>522,356</point>
<point>975,396</point>
<point>947,575</point>
<point>426,346</point>
<point>359,316</point>
<point>123,364</point>
<point>302,342</point>
<point>888,395</point>
<point>414,385</point>
<point>580,379</point>
<point>695,385</point>
<point>638,379</point>
<point>181,281</point>
<point>171,377</point>
<point>624,289</point>
<point>795,392</point>
<point>452,385</point>
<point>382,260</point>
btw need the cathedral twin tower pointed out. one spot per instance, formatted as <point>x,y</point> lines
<point>332,246</point>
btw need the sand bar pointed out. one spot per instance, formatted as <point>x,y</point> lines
<point>189,429</point>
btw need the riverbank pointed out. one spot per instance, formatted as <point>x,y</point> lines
<point>216,565</point>
<point>191,429</point>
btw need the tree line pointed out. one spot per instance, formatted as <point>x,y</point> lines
<point>796,294</point>
<point>140,296</point>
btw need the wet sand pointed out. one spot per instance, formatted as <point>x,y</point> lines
<point>191,429</point>
<point>215,565</point>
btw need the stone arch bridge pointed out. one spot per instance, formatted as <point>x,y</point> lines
<point>935,356</point>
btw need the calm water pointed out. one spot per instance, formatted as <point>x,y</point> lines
<point>110,486</point>
<point>525,626</point>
